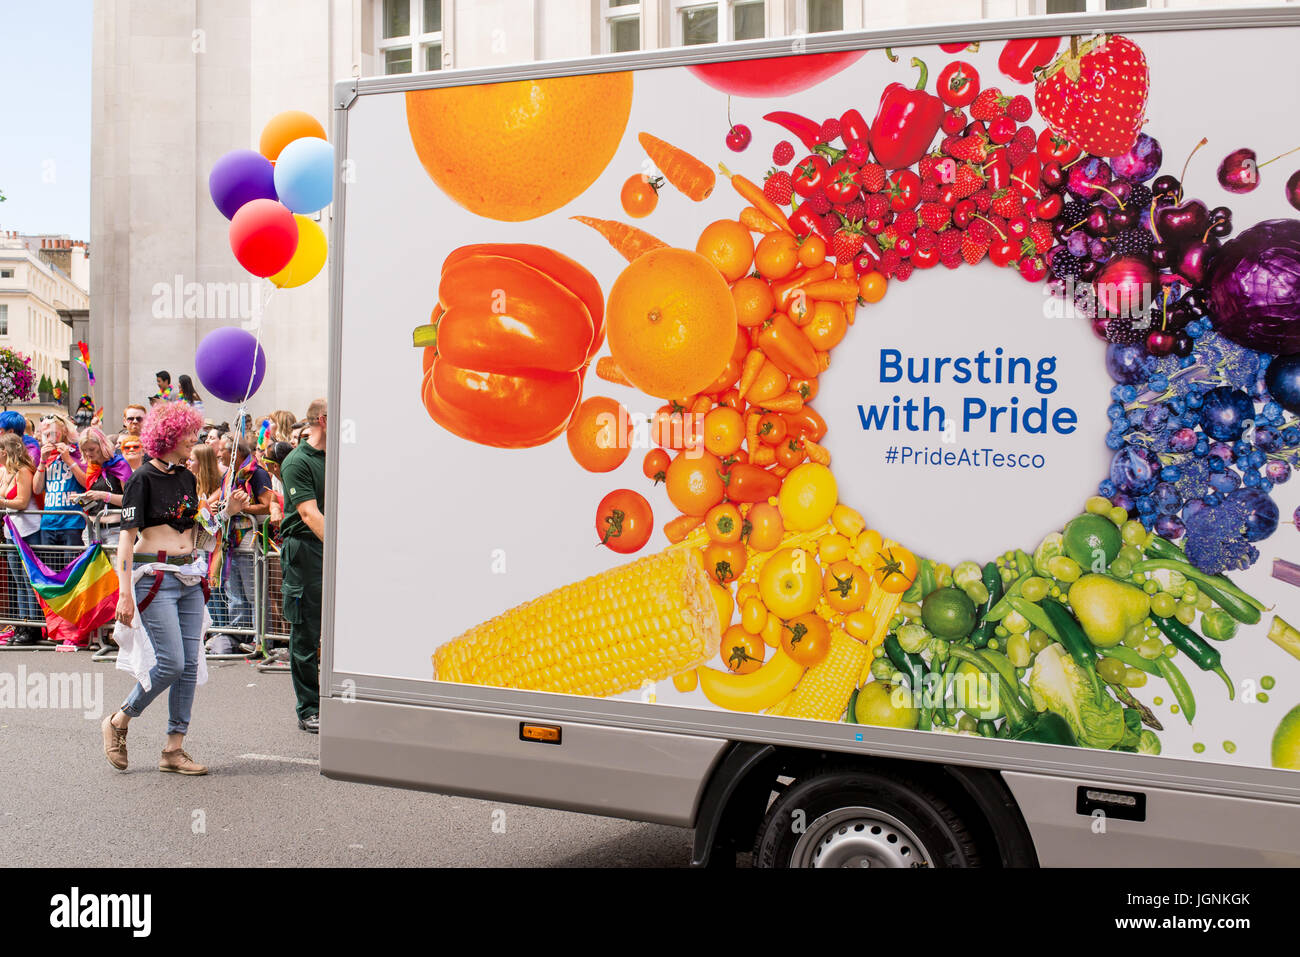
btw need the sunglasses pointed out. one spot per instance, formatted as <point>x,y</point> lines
<point>135,418</point>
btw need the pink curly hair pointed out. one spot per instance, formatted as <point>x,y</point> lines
<point>165,424</point>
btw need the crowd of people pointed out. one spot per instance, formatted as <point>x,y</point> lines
<point>173,491</point>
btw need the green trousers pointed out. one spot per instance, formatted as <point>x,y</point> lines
<point>301,561</point>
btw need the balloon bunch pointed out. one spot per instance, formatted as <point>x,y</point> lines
<point>269,194</point>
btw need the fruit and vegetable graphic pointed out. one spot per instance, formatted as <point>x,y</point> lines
<point>775,596</point>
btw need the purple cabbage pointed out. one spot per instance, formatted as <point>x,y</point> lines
<point>1255,287</point>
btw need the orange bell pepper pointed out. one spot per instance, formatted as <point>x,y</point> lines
<point>788,348</point>
<point>508,344</point>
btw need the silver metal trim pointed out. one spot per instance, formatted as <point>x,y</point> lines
<point>1119,768</point>
<point>1137,21</point>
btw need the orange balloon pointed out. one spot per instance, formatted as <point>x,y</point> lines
<point>286,127</point>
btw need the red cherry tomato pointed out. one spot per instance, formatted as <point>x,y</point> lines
<point>842,182</point>
<point>1054,147</point>
<point>624,521</point>
<point>959,84</point>
<point>904,189</point>
<point>811,175</point>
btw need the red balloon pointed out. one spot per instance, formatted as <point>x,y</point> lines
<point>774,76</point>
<point>263,236</point>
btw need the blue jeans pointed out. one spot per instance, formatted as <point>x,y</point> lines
<point>174,621</point>
<point>239,589</point>
<point>62,536</point>
<point>29,609</point>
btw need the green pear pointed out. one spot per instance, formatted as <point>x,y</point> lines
<point>1107,608</point>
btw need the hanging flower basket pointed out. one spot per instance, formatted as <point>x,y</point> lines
<point>17,380</point>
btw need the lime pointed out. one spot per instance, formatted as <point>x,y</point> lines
<point>948,613</point>
<point>1089,537</point>
<point>1286,741</point>
<point>876,705</point>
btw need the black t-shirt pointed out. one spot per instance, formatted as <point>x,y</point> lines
<point>104,482</point>
<point>154,497</point>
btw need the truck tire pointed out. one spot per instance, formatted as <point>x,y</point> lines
<point>851,817</point>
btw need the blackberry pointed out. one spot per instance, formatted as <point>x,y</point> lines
<point>1121,332</point>
<point>1065,266</point>
<point>1131,242</point>
<point>1140,196</point>
<point>1074,212</point>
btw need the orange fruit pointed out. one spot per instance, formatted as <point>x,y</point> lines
<point>694,482</point>
<point>514,151</point>
<point>777,255</point>
<point>812,251</point>
<point>724,431</point>
<point>727,245</point>
<point>600,434</point>
<point>827,327</point>
<point>754,301</point>
<point>671,322</point>
<point>871,287</point>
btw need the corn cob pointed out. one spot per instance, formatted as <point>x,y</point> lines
<point>644,621</point>
<point>824,690</point>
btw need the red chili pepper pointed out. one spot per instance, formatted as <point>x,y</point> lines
<point>1026,177</point>
<point>1020,58</point>
<point>906,122</point>
<point>959,47</point>
<point>854,130</point>
<point>959,84</point>
<point>808,131</point>
<point>805,222</point>
<point>997,168</point>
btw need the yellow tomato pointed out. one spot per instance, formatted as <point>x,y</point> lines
<point>722,599</point>
<point>745,592</point>
<point>687,681</point>
<point>772,628</point>
<point>753,615</point>
<point>846,586</point>
<point>808,496</point>
<point>860,624</point>
<point>833,548</point>
<point>848,521</point>
<point>865,547</point>
<point>765,527</point>
<point>741,652</point>
<point>790,583</point>
<point>724,431</point>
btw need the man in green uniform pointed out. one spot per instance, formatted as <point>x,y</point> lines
<point>301,554</point>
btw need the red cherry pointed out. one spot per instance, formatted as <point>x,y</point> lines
<point>738,137</point>
<point>905,246</point>
<point>963,213</point>
<point>976,127</point>
<point>864,263</point>
<point>1003,252</point>
<point>1160,343</point>
<point>1018,228</point>
<point>926,258</point>
<point>1293,189</point>
<point>948,196</point>
<point>954,121</point>
<point>1049,207</point>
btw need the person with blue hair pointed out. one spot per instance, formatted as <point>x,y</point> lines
<point>14,422</point>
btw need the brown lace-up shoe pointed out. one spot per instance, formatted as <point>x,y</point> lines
<point>114,743</point>
<point>181,763</point>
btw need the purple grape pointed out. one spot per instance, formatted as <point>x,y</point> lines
<point>1184,440</point>
<point>1166,499</point>
<point>1170,527</point>
<point>1277,471</point>
<point>1141,161</point>
<point>1097,250</point>
<point>1267,439</point>
<point>1194,506</point>
<point>1134,470</point>
<point>1121,500</point>
<point>1261,519</point>
<point>1155,418</point>
<point>1220,451</point>
<point>1077,244</point>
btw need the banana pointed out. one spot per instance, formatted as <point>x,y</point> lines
<point>755,691</point>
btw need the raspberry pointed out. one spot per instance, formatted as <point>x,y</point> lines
<point>877,205</point>
<point>872,177</point>
<point>1017,153</point>
<point>1025,136</point>
<point>1020,109</point>
<point>929,191</point>
<point>952,260</point>
<point>903,270</point>
<point>949,243</point>
<point>889,261</point>
<point>818,203</point>
<point>905,222</point>
<point>855,211</point>
<point>782,153</point>
<point>830,130</point>
<point>980,231</point>
<point>779,187</point>
<point>926,238</point>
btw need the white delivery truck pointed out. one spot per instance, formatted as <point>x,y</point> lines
<point>866,449</point>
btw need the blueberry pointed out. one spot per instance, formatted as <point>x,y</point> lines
<point>1129,393</point>
<point>1117,393</point>
<point>1225,482</point>
<point>1106,487</point>
<point>1158,383</point>
<point>1213,498</point>
<point>1217,464</point>
<point>1193,399</point>
<point>1265,485</point>
<point>1114,442</point>
<point>1256,459</point>
<point>1291,436</point>
<point>1176,405</point>
<point>1115,411</point>
<point>1250,478</point>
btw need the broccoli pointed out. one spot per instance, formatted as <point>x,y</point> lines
<point>1216,538</point>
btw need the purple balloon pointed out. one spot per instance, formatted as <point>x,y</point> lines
<point>226,360</point>
<point>238,177</point>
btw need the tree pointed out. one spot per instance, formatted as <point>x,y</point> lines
<point>44,385</point>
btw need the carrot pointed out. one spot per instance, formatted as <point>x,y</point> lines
<point>783,291</point>
<point>816,453</point>
<point>764,455</point>
<point>823,361</point>
<point>702,404</point>
<point>751,430</point>
<point>755,195</point>
<point>756,222</point>
<point>846,271</point>
<point>689,175</point>
<point>780,471</point>
<point>770,383</point>
<point>678,528</point>
<point>629,241</point>
<point>785,402</point>
<point>607,369</point>
<point>839,290</point>
<point>749,371</point>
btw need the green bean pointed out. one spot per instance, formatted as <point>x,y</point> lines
<point>1179,686</point>
<point>1129,657</point>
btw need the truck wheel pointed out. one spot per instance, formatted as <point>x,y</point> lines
<point>849,817</point>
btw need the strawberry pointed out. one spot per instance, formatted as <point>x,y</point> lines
<point>830,131</point>
<point>905,223</point>
<point>989,105</point>
<point>778,187</point>
<point>855,211</point>
<point>950,243</point>
<point>972,250</point>
<point>818,203</point>
<point>872,177</point>
<point>1019,108</point>
<point>1007,204</point>
<point>1096,97</point>
<point>983,199</point>
<point>1041,233</point>
<point>927,166</point>
<point>973,148</point>
<point>926,238</point>
<point>845,244</point>
<point>1026,137</point>
<point>930,190</point>
<point>877,205</point>
<point>782,153</point>
<point>903,270</point>
<point>968,181</point>
<point>934,215</point>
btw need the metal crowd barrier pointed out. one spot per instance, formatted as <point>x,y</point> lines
<point>266,630</point>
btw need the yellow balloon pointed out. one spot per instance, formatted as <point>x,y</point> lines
<point>308,259</point>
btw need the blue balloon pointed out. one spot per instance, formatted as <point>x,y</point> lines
<point>304,175</point>
<point>240,177</point>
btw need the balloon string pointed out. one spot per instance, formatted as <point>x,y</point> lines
<point>228,481</point>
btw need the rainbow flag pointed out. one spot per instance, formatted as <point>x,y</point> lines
<point>76,600</point>
<point>85,361</point>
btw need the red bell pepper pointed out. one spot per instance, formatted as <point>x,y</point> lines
<point>808,131</point>
<point>906,122</point>
<point>997,169</point>
<point>1020,58</point>
<point>1026,177</point>
<point>805,222</point>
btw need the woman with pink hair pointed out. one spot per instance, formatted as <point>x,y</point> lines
<point>161,575</point>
